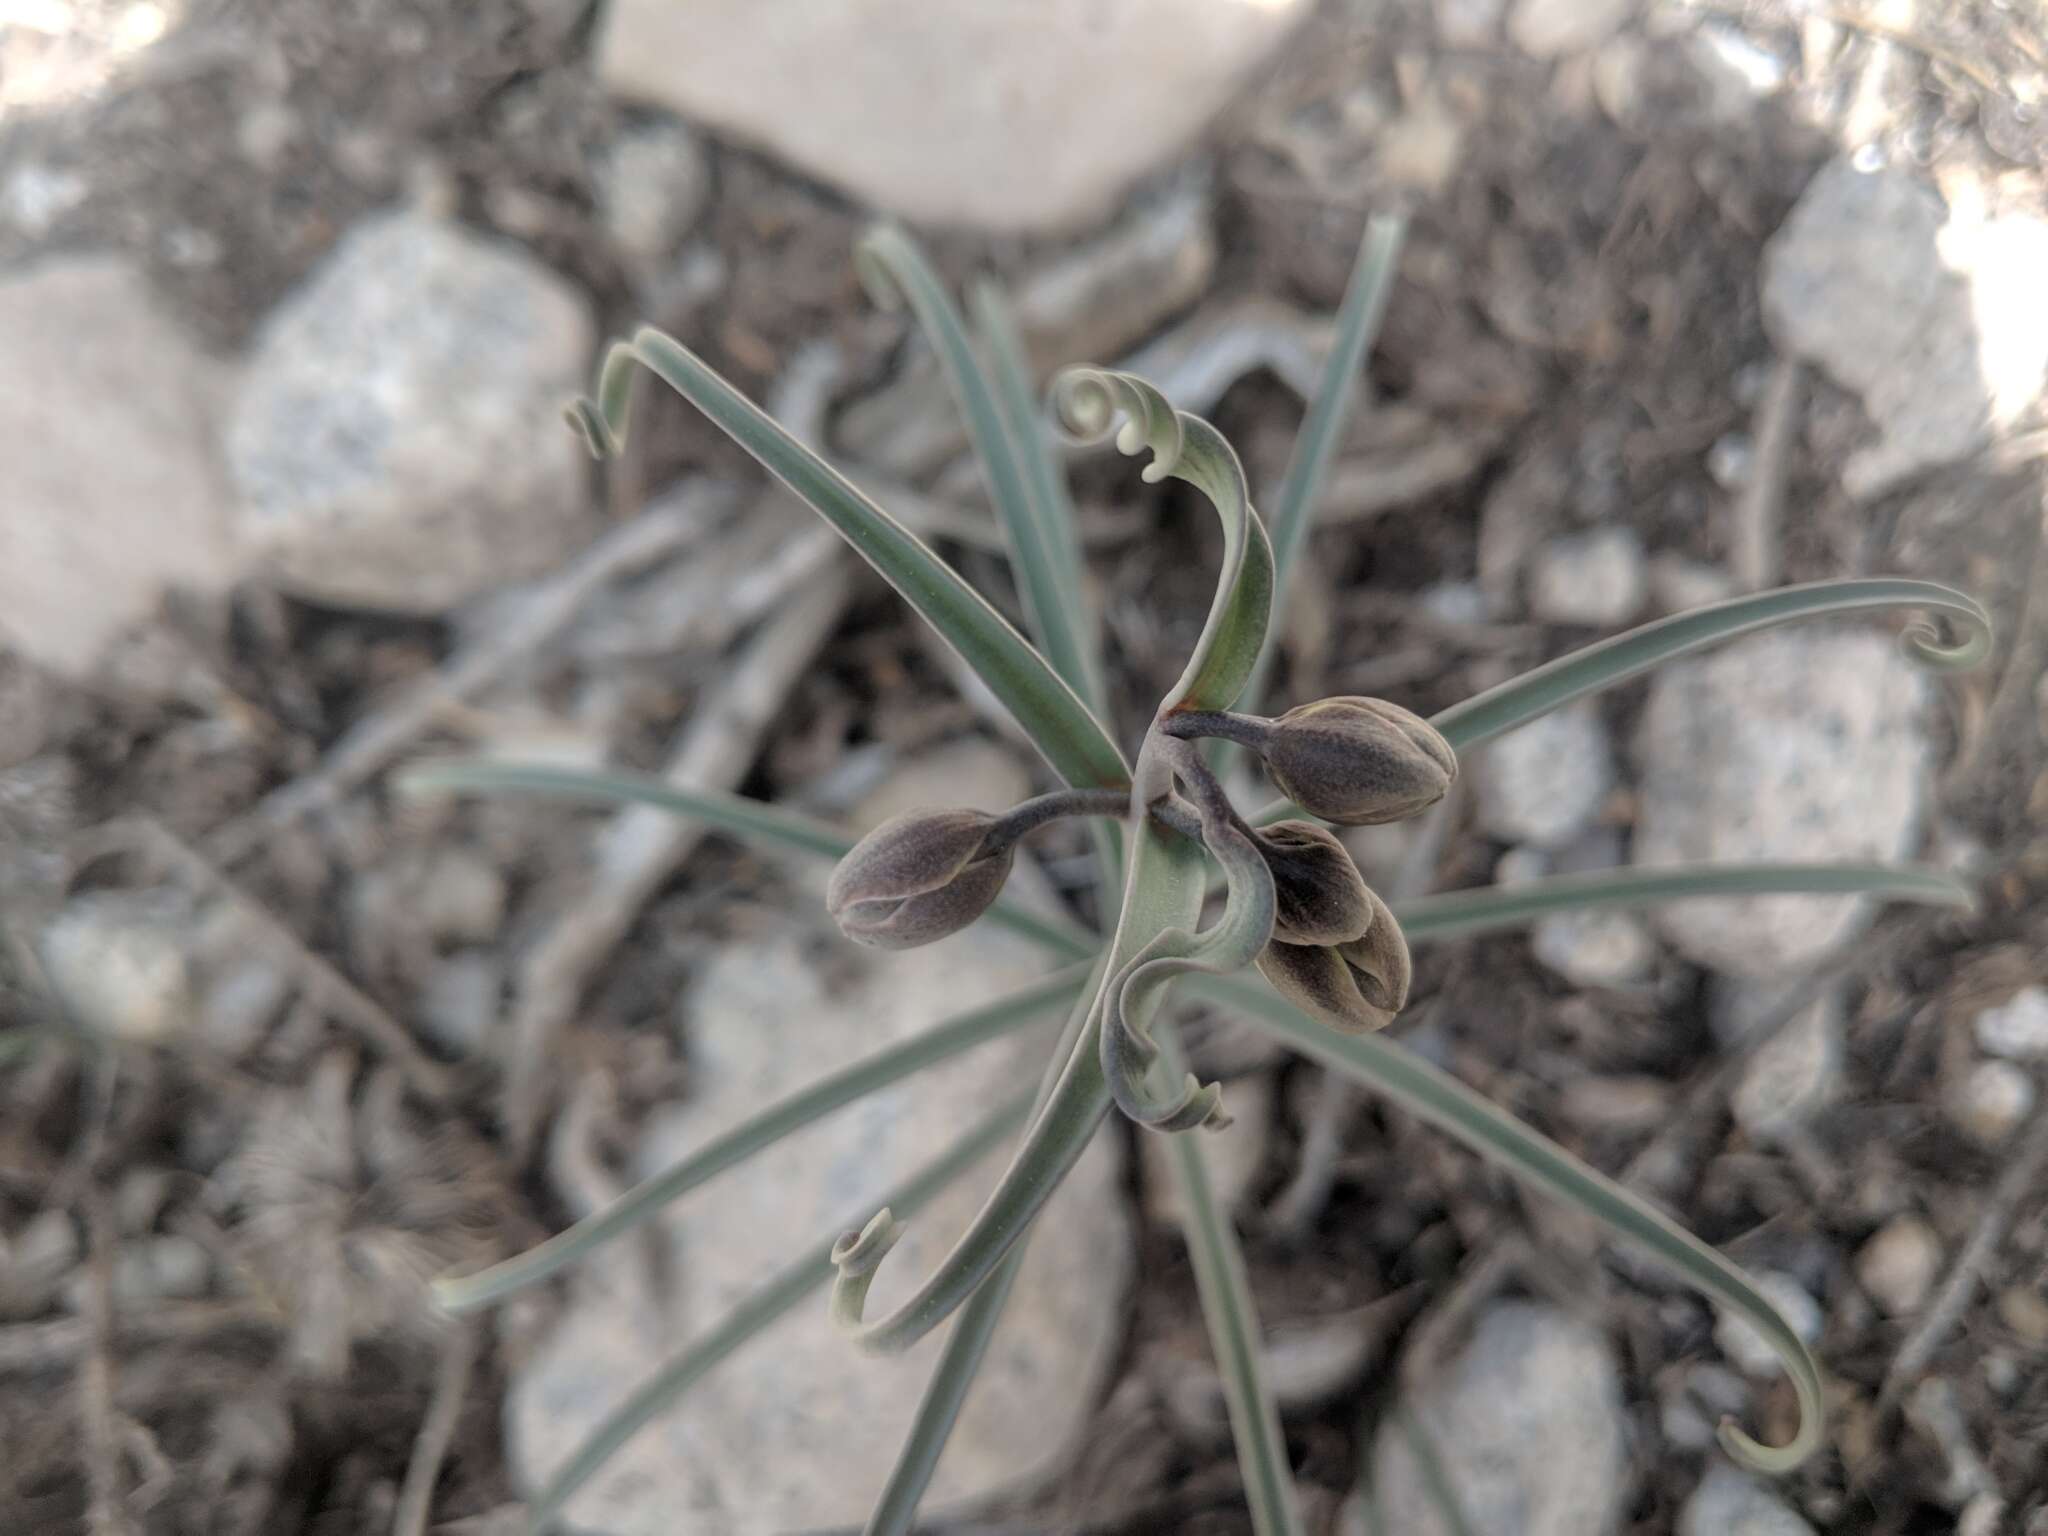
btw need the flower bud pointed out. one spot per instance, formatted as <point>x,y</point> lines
<point>1319,895</point>
<point>917,877</point>
<point>1357,987</point>
<point>1358,762</point>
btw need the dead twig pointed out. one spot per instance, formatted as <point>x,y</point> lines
<point>1756,555</point>
<point>2021,1177</point>
<point>99,1421</point>
<point>639,847</point>
<point>532,618</point>
<point>30,1348</point>
<point>444,1412</point>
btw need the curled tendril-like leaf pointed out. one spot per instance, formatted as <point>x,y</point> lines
<point>857,1256</point>
<point>1230,944</point>
<point>1088,401</point>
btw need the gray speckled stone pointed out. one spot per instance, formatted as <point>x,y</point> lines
<point>1796,744</point>
<point>1731,1503</point>
<point>1528,1423</point>
<point>397,441</point>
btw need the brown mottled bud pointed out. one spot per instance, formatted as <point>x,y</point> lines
<point>1357,987</point>
<point>1319,895</point>
<point>918,877</point>
<point>1359,762</point>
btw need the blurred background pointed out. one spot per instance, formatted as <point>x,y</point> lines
<point>1696,299</point>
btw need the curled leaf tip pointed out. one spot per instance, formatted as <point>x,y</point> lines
<point>582,414</point>
<point>857,1255</point>
<point>1771,1460</point>
<point>1086,402</point>
<point>1958,643</point>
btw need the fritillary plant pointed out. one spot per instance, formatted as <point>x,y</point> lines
<point>1298,945</point>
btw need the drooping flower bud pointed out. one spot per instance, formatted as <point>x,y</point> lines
<point>1319,895</point>
<point>1358,762</point>
<point>1357,987</point>
<point>918,877</point>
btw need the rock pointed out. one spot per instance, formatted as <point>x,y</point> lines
<point>1794,1075</point>
<point>1599,579</point>
<point>804,1434</point>
<point>1678,584</point>
<point>651,184</point>
<point>461,898</point>
<point>1455,602</point>
<point>1088,95</point>
<point>1545,29</point>
<point>1863,280</point>
<point>34,1263</point>
<point>1544,782</point>
<point>461,1000</point>
<point>1993,1099</point>
<point>1594,948</point>
<point>1468,23</point>
<point>2016,1029</point>
<point>1518,866</point>
<point>1789,745</point>
<point>1745,1347</point>
<point>1529,1426</point>
<point>1234,1154</point>
<point>111,491</point>
<point>1732,1503</point>
<point>117,960</point>
<point>397,440</point>
<point>1899,1266</point>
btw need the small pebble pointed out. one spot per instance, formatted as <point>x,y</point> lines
<point>2016,1029</point>
<point>1544,782</point>
<point>167,1268</point>
<point>118,962</point>
<point>1899,1266</point>
<point>1596,579</point>
<point>460,1001</point>
<point>1745,1348</point>
<point>1793,1076</point>
<point>1678,584</point>
<point>1992,1100</point>
<point>1594,949</point>
<point>1732,1503</point>
<point>1518,866</point>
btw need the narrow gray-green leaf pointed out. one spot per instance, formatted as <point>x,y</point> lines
<point>1440,1099</point>
<point>1608,662</point>
<point>1188,448</point>
<point>752,821</point>
<point>1452,913</point>
<point>893,268</point>
<point>466,1293</point>
<point>1358,325</point>
<point>1052,715</point>
<point>1233,1323</point>
<point>967,1341</point>
<point>1046,478</point>
<point>765,1306</point>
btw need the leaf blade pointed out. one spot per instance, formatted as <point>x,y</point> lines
<point>1615,660</point>
<point>893,268</point>
<point>1453,913</point>
<point>1054,717</point>
<point>1232,1320</point>
<point>1441,1100</point>
<point>1188,448</point>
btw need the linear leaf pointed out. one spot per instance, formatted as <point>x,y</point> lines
<point>466,1293</point>
<point>945,1390</point>
<point>1188,448</point>
<point>1611,661</point>
<point>1233,1324</point>
<point>1046,478</point>
<point>756,1313</point>
<point>1452,913</point>
<point>1056,720</point>
<point>1440,1099</point>
<point>894,271</point>
<point>753,821</point>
